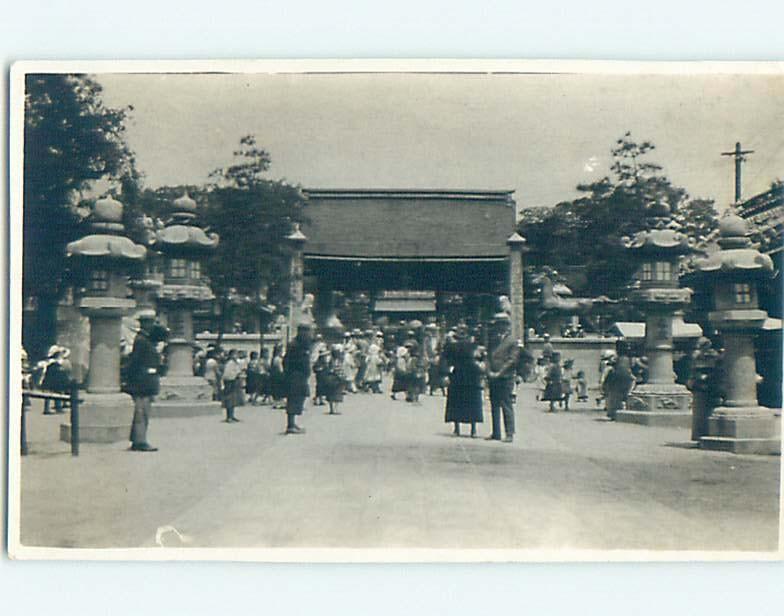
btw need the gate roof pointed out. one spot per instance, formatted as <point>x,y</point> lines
<point>408,224</point>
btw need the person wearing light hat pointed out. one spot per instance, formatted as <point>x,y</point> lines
<point>56,376</point>
<point>502,364</point>
<point>143,379</point>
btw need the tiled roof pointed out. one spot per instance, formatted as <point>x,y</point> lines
<point>408,223</point>
<point>765,212</point>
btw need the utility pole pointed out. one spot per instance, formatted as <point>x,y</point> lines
<point>740,156</point>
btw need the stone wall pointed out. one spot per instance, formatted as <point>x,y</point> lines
<point>241,342</point>
<point>585,352</point>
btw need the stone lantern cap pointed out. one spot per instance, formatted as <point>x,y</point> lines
<point>297,236</point>
<point>737,255</point>
<point>660,241</point>
<point>107,241</point>
<point>662,237</point>
<point>516,241</point>
<point>185,236</point>
<point>183,232</point>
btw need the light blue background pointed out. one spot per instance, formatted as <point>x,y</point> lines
<point>144,29</point>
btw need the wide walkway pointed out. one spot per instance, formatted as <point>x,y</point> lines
<point>389,474</point>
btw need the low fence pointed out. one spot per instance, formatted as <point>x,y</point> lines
<point>72,398</point>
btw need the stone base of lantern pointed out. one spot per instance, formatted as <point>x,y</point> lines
<point>103,418</point>
<point>654,404</point>
<point>754,430</point>
<point>185,396</point>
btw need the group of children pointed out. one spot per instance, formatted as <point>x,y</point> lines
<point>558,382</point>
<point>238,378</point>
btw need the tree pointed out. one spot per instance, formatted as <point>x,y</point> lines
<point>586,233</point>
<point>70,140</point>
<point>253,216</point>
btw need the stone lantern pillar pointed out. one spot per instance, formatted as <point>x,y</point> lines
<point>657,251</point>
<point>734,273</point>
<point>296,240</point>
<point>183,246</point>
<point>105,256</point>
<point>517,249</point>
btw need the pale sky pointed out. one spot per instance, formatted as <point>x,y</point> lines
<point>540,135</point>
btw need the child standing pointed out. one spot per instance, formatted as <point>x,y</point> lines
<point>567,377</point>
<point>335,379</point>
<point>581,386</point>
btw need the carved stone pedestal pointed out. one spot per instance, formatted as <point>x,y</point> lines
<point>743,430</point>
<point>103,418</point>
<point>185,396</point>
<point>658,404</point>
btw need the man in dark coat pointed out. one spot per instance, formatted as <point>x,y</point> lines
<point>143,379</point>
<point>296,372</point>
<point>503,359</point>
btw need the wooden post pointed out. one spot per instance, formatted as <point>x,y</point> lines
<point>23,427</point>
<point>74,419</point>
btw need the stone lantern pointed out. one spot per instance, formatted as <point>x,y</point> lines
<point>183,245</point>
<point>734,273</point>
<point>105,256</point>
<point>657,251</point>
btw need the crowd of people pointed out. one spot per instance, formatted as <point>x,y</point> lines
<point>410,363</point>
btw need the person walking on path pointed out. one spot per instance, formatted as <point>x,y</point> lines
<point>567,376</point>
<point>374,365</point>
<point>553,390</point>
<point>464,394</point>
<point>416,373</point>
<point>618,385</point>
<point>232,385</point>
<point>277,378</point>
<point>400,372</point>
<point>334,379</point>
<point>143,379</point>
<point>502,365</point>
<point>547,349</point>
<point>212,373</point>
<point>296,370</point>
<point>56,376</point>
<point>253,377</point>
<point>320,369</point>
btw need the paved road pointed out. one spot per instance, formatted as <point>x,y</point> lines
<point>389,474</point>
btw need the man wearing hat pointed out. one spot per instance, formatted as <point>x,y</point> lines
<point>502,364</point>
<point>296,373</point>
<point>143,379</point>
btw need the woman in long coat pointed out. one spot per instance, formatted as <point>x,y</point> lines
<point>618,385</point>
<point>464,394</point>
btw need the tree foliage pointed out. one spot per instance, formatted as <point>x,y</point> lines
<point>71,139</point>
<point>253,215</point>
<point>585,234</point>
